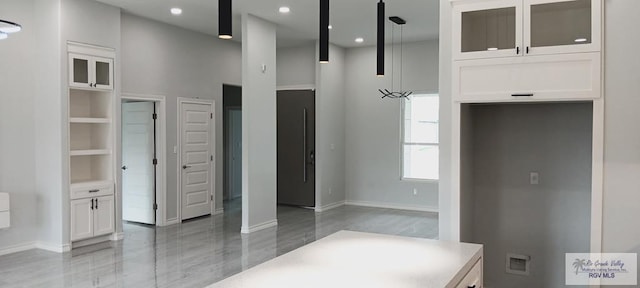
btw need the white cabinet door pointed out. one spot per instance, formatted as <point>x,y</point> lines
<point>81,219</point>
<point>90,72</point>
<point>562,26</point>
<point>102,73</point>
<point>79,71</point>
<point>487,29</point>
<point>103,216</point>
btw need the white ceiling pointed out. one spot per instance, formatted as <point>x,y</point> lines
<point>349,18</point>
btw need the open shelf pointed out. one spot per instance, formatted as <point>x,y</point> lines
<point>87,120</point>
<point>89,104</point>
<point>90,167</point>
<point>89,136</point>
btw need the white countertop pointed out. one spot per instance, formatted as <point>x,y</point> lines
<point>355,259</point>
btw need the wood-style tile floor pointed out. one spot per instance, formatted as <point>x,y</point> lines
<point>199,252</point>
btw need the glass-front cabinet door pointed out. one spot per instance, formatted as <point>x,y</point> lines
<point>90,72</point>
<point>103,73</point>
<point>553,26</point>
<point>487,29</point>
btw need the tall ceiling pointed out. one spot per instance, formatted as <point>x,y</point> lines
<point>349,18</point>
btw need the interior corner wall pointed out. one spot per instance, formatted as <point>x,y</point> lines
<point>296,66</point>
<point>161,59</point>
<point>622,138</point>
<point>330,128</point>
<point>258,123</point>
<point>373,127</point>
<point>18,125</point>
<point>445,203</point>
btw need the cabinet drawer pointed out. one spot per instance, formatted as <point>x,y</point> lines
<point>531,78</point>
<point>473,278</point>
<point>86,191</point>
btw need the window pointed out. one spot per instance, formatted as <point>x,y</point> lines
<point>420,137</point>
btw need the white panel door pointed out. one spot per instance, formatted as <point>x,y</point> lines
<point>235,135</point>
<point>138,178</point>
<point>196,160</point>
<point>81,219</point>
<point>103,216</point>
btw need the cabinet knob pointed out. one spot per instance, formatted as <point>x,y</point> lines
<point>472,286</point>
<point>518,50</point>
<point>96,204</point>
<point>94,191</point>
<point>186,166</point>
<point>91,204</point>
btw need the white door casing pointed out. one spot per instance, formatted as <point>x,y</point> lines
<point>138,193</point>
<point>196,159</point>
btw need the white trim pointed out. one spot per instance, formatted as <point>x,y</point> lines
<point>91,50</point>
<point>296,87</point>
<point>57,248</point>
<point>171,221</point>
<point>392,206</point>
<point>117,236</point>
<point>92,241</point>
<point>161,152</point>
<point>258,227</point>
<point>218,211</point>
<point>212,135</point>
<point>18,248</point>
<point>329,206</point>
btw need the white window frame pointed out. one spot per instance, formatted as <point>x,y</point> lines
<point>403,143</point>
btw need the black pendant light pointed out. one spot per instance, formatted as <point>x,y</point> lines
<point>324,31</point>
<point>224,19</point>
<point>380,49</point>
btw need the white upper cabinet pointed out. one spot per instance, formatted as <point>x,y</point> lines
<point>512,28</point>
<point>90,72</point>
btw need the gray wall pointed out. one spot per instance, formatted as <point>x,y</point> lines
<point>296,66</point>
<point>622,137</point>
<point>258,123</point>
<point>330,129</point>
<point>17,123</point>
<point>543,221</point>
<point>161,59</point>
<point>373,127</point>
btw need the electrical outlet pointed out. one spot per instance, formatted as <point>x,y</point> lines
<point>534,178</point>
<point>415,192</point>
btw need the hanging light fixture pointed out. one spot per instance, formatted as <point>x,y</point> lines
<point>224,19</point>
<point>324,31</point>
<point>380,48</point>
<point>8,27</point>
<point>385,92</point>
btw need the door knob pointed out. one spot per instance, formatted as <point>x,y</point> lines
<point>186,166</point>
<point>124,167</point>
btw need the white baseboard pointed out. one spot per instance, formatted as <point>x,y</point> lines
<point>58,248</point>
<point>218,211</point>
<point>117,236</point>
<point>262,226</point>
<point>17,248</point>
<point>171,221</point>
<point>330,206</point>
<point>392,206</point>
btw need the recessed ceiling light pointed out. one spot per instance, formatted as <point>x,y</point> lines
<point>176,11</point>
<point>330,27</point>
<point>580,40</point>
<point>359,40</point>
<point>492,49</point>
<point>284,9</point>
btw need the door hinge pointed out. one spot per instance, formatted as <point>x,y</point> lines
<point>155,206</point>
<point>155,161</point>
<point>211,157</point>
<point>155,116</point>
<point>211,115</point>
<point>211,197</point>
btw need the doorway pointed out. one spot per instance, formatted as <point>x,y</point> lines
<point>296,147</point>
<point>195,157</point>
<point>232,122</point>
<point>143,159</point>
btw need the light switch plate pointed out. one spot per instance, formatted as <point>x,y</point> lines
<point>534,178</point>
